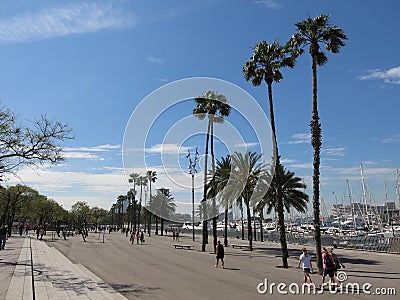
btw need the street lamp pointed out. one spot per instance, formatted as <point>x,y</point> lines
<point>193,171</point>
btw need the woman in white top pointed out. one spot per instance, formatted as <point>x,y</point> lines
<point>305,259</point>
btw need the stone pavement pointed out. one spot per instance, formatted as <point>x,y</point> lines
<point>54,276</point>
<point>156,270</point>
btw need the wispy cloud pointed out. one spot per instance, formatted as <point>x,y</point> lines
<point>391,139</point>
<point>267,3</point>
<point>56,22</point>
<point>167,149</point>
<point>390,76</point>
<point>247,145</point>
<point>334,151</point>
<point>100,148</point>
<point>154,60</point>
<point>300,138</point>
<point>90,153</point>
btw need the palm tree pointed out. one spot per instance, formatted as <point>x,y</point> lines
<point>216,188</point>
<point>312,33</point>
<point>131,210</point>
<point>214,106</point>
<point>165,205</point>
<point>141,181</point>
<point>265,64</point>
<point>120,203</point>
<point>247,170</point>
<point>293,196</point>
<point>134,177</point>
<point>151,177</point>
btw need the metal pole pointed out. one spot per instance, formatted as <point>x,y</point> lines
<point>193,205</point>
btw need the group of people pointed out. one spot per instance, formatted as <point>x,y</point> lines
<point>138,236</point>
<point>330,264</point>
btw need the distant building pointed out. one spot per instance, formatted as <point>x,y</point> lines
<point>385,211</point>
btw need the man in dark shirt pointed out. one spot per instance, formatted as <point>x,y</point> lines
<point>3,236</point>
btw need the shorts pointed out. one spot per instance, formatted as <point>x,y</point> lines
<point>307,270</point>
<point>329,272</point>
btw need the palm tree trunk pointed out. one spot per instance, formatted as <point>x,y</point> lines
<point>226,227</point>
<point>316,141</point>
<point>242,218</point>
<point>249,229</point>
<point>261,225</point>
<point>156,217</point>
<point>279,196</point>
<point>214,210</point>
<point>255,228</point>
<point>204,201</point>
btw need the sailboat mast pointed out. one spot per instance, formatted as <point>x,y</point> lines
<point>351,204</point>
<point>364,192</point>
<point>398,186</point>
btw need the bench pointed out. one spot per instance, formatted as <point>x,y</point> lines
<point>179,246</point>
<point>240,246</point>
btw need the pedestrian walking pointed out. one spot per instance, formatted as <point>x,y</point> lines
<point>3,236</point>
<point>142,238</point>
<point>328,266</point>
<point>336,261</point>
<point>177,236</point>
<point>20,229</point>
<point>37,232</point>
<point>137,237</point>
<point>306,264</point>
<point>173,235</point>
<point>220,254</point>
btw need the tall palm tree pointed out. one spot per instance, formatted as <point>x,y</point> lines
<point>151,177</point>
<point>216,188</point>
<point>265,65</point>
<point>247,169</point>
<point>134,177</point>
<point>120,202</point>
<point>215,107</point>
<point>312,33</point>
<point>141,181</point>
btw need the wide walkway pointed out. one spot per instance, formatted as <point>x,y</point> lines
<point>54,276</point>
<point>65,269</point>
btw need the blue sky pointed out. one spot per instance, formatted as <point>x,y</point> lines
<point>90,64</point>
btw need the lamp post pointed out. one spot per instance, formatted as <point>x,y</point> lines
<point>193,171</point>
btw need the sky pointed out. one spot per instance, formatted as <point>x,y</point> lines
<point>120,73</point>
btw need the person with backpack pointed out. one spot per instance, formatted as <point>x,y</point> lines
<point>336,261</point>
<point>328,266</point>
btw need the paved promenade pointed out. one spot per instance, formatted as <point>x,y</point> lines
<point>55,277</point>
<point>116,269</point>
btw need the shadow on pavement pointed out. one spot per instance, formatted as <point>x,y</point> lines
<point>132,289</point>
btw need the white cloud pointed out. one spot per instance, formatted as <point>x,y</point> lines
<point>55,22</point>
<point>391,76</point>
<point>332,151</point>
<point>167,149</point>
<point>100,148</point>
<point>301,138</point>
<point>89,152</point>
<point>82,155</point>
<point>267,3</point>
<point>247,145</point>
<point>391,139</point>
<point>154,60</point>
